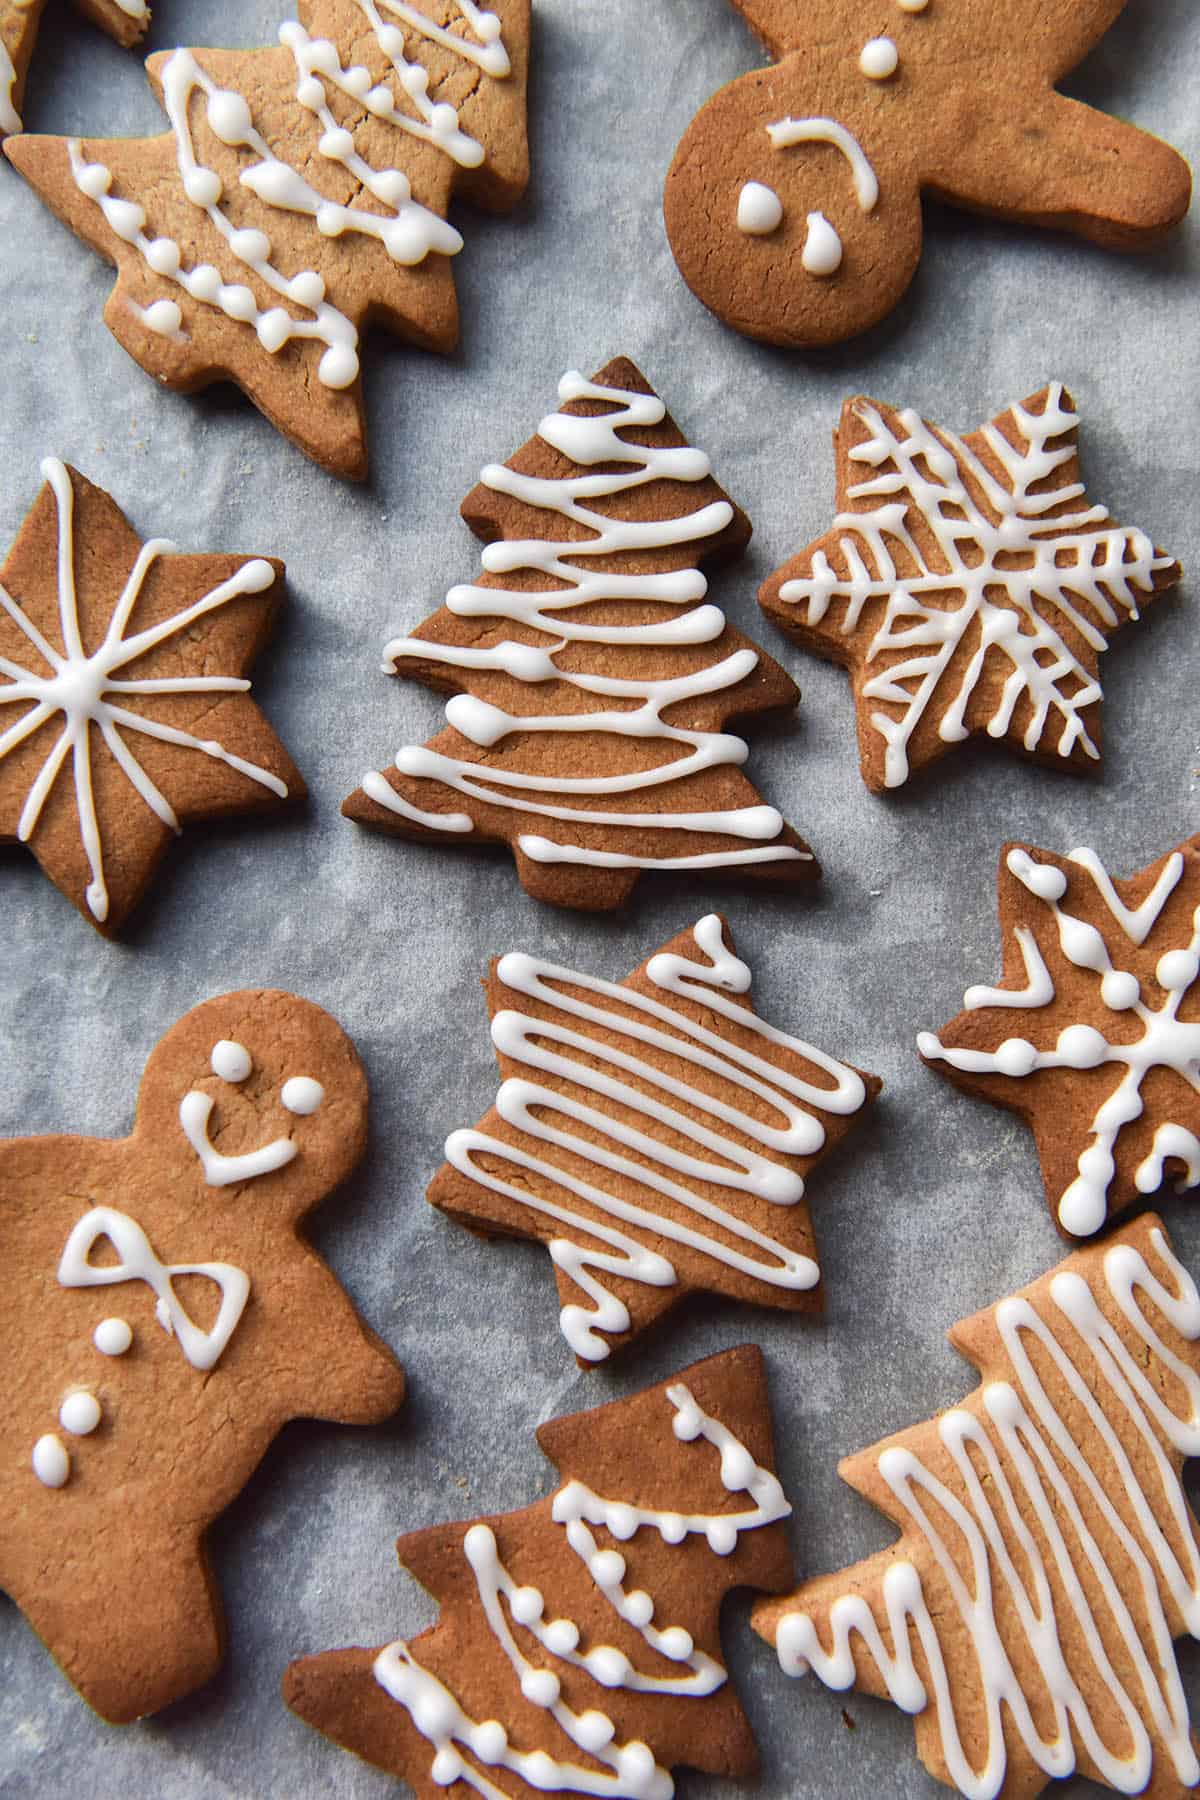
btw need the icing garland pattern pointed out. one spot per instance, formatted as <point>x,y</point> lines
<point>408,231</point>
<point>1166,1042</point>
<point>636,714</point>
<point>1084,1434</point>
<point>1004,546</point>
<point>464,1749</point>
<point>573,1046</point>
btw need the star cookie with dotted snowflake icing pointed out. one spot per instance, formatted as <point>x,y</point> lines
<point>1093,1034</point>
<point>301,194</point>
<point>125,20</point>
<point>578,1649</point>
<point>124,703</point>
<point>968,586</point>
<point>161,1319</point>
<point>1049,1553</point>
<point>655,1134</point>
<point>793,204</point>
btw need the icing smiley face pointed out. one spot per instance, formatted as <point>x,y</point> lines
<point>793,204</point>
<point>232,1063</point>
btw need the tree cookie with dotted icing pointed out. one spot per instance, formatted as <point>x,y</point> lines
<point>1048,1552</point>
<point>793,204</point>
<point>578,1649</point>
<point>124,703</point>
<point>1093,1035</point>
<point>162,1319</point>
<point>125,20</point>
<point>968,586</point>
<point>655,1134</point>
<point>300,195</point>
<point>593,681</point>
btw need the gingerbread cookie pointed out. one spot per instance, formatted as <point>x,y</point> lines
<point>1048,1554</point>
<point>967,585</point>
<point>301,192</point>
<point>126,20</point>
<point>793,204</point>
<point>579,1649</point>
<point>1093,1035</point>
<point>109,649</point>
<point>655,1135</point>
<point>162,1320</point>
<point>592,680</point>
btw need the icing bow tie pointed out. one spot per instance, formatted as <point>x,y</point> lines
<point>138,1262</point>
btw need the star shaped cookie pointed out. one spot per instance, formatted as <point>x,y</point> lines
<point>125,20</point>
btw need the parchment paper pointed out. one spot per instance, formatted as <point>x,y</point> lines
<point>935,1209</point>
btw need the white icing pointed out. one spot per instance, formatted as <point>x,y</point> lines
<point>302,1095</point>
<point>1039,988</point>
<point>136,1261</point>
<point>83,688</point>
<point>195,1110</point>
<point>912,6</point>
<point>548,610</point>
<point>1167,1042</point>
<point>79,1413</point>
<point>10,119</point>
<point>822,253</point>
<point>714,1154</point>
<point>461,1744</point>
<point>112,1337</point>
<point>1001,552</point>
<point>879,59</point>
<point>759,209</point>
<point>1019,1465</point>
<point>231,1061</point>
<point>408,231</point>
<point>163,317</point>
<point>827,131</point>
<point>50,1461</point>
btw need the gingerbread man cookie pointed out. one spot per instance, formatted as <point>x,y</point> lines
<point>161,1320</point>
<point>793,204</point>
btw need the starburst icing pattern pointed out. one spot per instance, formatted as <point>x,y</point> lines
<point>968,584</point>
<point>84,695</point>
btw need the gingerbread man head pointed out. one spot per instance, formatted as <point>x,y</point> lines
<point>793,205</point>
<point>161,1320</point>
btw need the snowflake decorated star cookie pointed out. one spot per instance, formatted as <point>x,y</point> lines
<point>301,192</point>
<point>968,585</point>
<point>124,703</point>
<point>793,204</point>
<point>1093,1034</point>
<point>578,1649</point>
<point>161,1319</point>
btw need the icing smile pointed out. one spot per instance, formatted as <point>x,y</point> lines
<point>232,1063</point>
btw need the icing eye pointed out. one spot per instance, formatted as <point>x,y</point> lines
<point>231,1061</point>
<point>759,210</point>
<point>879,59</point>
<point>822,253</point>
<point>302,1095</point>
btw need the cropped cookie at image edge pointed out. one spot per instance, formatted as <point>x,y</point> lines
<point>125,20</point>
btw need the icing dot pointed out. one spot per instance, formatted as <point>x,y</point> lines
<point>1016,1056</point>
<point>540,1687</point>
<point>595,1730</point>
<point>79,1413</point>
<point>1119,989</point>
<point>163,317</point>
<point>676,1643</point>
<point>1082,1047</point>
<point>912,5</point>
<point>639,1608</point>
<point>635,1763</point>
<point>51,1464</point>
<point>202,187</point>
<point>302,1095</point>
<point>489,1741</point>
<point>112,1337</point>
<point>759,210</point>
<point>337,144</point>
<point>229,116</point>
<point>205,282</point>
<point>879,59</point>
<point>722,1536</point>
<point>608,1666</point>
<point>338,368</point>
<point>822,253</point>
<point>307,288</point>
<point>607,1568</point>
<point>164,256</point>
<point>251,246</point>
<point>447,1766</point>
<point>230,1060</point>
<point>561,1636</point>
<point>526,1605</point>
<point>274,329</point>
<point>1177,970</point>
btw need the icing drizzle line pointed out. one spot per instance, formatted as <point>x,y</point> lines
<point>80,685</point>
<point>638,714</point>
<point>1029,1454</point>
<point>629,1153</point>
<point>627,1770</point>
<point>408,231</point>
<point>10,119</point>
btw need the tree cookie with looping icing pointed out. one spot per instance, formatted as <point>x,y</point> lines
<point>124,703</point>
<point>793,204</point>
<point>655,1134</point>
<point>578,1649</point>
<point>161,1320</point>
<point>301,194</point>
<point>967,585</point>
<point>1093,1034</point>
<point>1049,1551</point>
<point>593,681</point>
<point>125,20</point>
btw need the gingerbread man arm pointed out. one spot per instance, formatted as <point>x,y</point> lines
<point>347,1378</point>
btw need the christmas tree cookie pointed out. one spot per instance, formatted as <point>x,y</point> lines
<point>301,193</point>
<point>125,20</point>
<point>1048,1553</point>
<point>592,679</point>
<point>161,1320</point>
<point>655,1135</point>
<point>578,1649</point>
